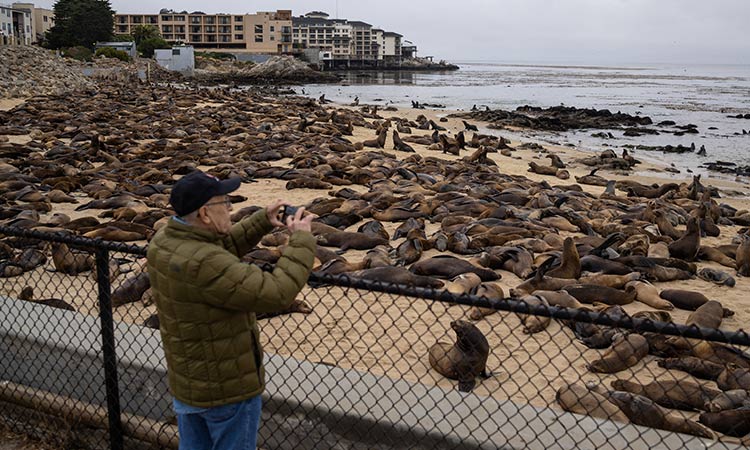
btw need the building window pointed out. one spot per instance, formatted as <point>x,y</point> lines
<point>272,29</point>
<point>259,28</point>
<point>238,18</point>
<point>224,20</point>
<point>258,38</point>
<point>210,20</point>
<point>272,38</point>
<point>179,18</point>
<point>195,20</point>
<point>238,28</point>
<point>239,37</point>
<point>166,18</point>
<point>175,52</point>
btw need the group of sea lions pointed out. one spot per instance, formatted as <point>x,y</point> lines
<point>459,222</point>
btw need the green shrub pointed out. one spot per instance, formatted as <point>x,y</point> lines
<point>110,52</point>
<point>147,46</point>
<point>79,53</point>
<point>216,55</point>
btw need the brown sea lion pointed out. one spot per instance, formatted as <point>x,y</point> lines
<point>734,378</point>
<point>27,294</point>
<point>731,399</point>
<point>682,394</point>
<point>445,266</point>
<point>463,284</point>
<point>696,367</point>
<point>612,281</point>
<point>513,259</point>
<point>743,256</point>
<point>708,315</point>
<point>570,267</point>
<point>345,240</point>
<point>339,266</point>
<point>377,257</point>
<point>297,306</point>
<point>720,353</point>
<point>648,294</point>
<point>409,251</point>
<point>658,250</point>
<point>687,246</point>
<point>576,398</point>
<point>131,290</point>
<point>542,170</point>
<point>589,293</point>
<point>688,300</point>
<point>596,264</point>
<point>644,411</point>
<point>654,316</point>
<point>559,298</point>
<point>398,275</point>
<point>625,352</point>
<point>69,262</point>
<point>665,226</point>
<point>707,253</point>
<point>533,323</point>
<point>489,290</point>
<point>464,360</point>
<point>734,422</point>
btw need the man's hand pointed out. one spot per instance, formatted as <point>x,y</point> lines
<point>272,211</point>
<point>299,223</point>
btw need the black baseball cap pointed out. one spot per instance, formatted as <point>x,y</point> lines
<point>196,188</point>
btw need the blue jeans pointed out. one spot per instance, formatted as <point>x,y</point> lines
<point>226,427</point>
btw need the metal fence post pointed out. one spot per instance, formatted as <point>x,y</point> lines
<point>108,349</point>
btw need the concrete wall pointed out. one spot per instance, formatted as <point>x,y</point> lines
<point>179,59</point>
<point>306,405</point>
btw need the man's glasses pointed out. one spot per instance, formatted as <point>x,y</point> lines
<point>227,203</point>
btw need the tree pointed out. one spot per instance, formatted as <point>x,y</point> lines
<point>148,46</point>
<point>143,32</point>
<point>81,22</point>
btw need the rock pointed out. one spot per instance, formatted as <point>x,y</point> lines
<point>26,71</point>
<point>278,69</point>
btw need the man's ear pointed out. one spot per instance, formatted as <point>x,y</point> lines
<point>203,215</point>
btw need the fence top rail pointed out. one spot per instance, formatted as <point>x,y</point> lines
<point>515,305</point>
<point>72,239</point>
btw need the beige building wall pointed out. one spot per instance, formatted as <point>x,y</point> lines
<point>269,32</point>
<point>41,20</point>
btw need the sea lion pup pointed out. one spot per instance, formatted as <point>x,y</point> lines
<point>697,367</point>
<point>590,293</point>
<point>69,262</point>
<point>734,378</point>
<point>570,267</point>
<point>612,281</point>
<point>490,291</point>
<point>648,294</point>
<point>592,179</point>
<point>687,246</point>
<point>27,294</point>
<point>743,256</point>
<point>397,275</point>
<point>445,266</point>
<point>542,170</point>
<point>625,352</point>
<point>577,398</point>
<point>707,253</point>
<point>131,290</point>
<point>644,411</point>
<point>377,257</point>
<point>463,284</point>
<point>345,240</point>
<point>726,400</point>
<point>682,394</point>
<point>559,298</point>
<point>734,422</point>
<point>533,323</point>
<point>464,360</point>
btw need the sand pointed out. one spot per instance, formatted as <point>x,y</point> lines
<point>390,335</point>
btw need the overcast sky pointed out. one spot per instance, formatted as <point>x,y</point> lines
<point>570,31</point>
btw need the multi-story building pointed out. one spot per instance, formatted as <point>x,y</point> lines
<point>335,42</point>
<point>41,20</point>
<point>15,26</point>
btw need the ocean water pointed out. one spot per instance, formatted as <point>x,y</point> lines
<point>703,95</point>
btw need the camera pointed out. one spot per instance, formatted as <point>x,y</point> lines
<point>288,211</point>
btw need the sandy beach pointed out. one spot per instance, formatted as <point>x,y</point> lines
<point>389,335</point>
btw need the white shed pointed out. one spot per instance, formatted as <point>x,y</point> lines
<point>180,58</point>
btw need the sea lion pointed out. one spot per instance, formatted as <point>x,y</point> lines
<point>743,256</point>
<point>708,315</point>
<point>533,323</point>
<point>397,275</point>
<point>682,394</point>
<point>696,367</point>
<point>131,290</point>
<point>463,284</point>
<point>596,264</point>
<point>734,422</point>
<point>644,411</point>
<point>513,259</point>
<point>374,228</point>
<point>658,250</point>
<point>339,266</point>
<point>707,253</point>
<point>69,262</point>
<point>612,281</point>
<point>576,398</point>
<point>490,291</point>
<point>377,257</point>
<point>664,225</point>
<point>465,359</point>
<point>716,276</point>
<point>648,294</point>
<point>445,266</point>
<point>297,306</point>
<point>719,353</point>
<point>570,267</point>
<point>625,352</point>
<point>409,251</point>
<point>345,240</point>
<point>592,179</point>
<point>688,300</point>
<point>726,400</point>
<point>734,378</point>
<point>27,294</point>
<point>687,246</point>
<point>410,224</point>
<point>559,298</point>
<point>589,293</point>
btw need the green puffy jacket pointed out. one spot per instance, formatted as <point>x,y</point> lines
<point>207,299</point>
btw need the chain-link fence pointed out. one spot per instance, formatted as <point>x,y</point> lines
<point>359,363</point>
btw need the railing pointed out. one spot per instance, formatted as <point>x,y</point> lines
<point>360,362</point>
